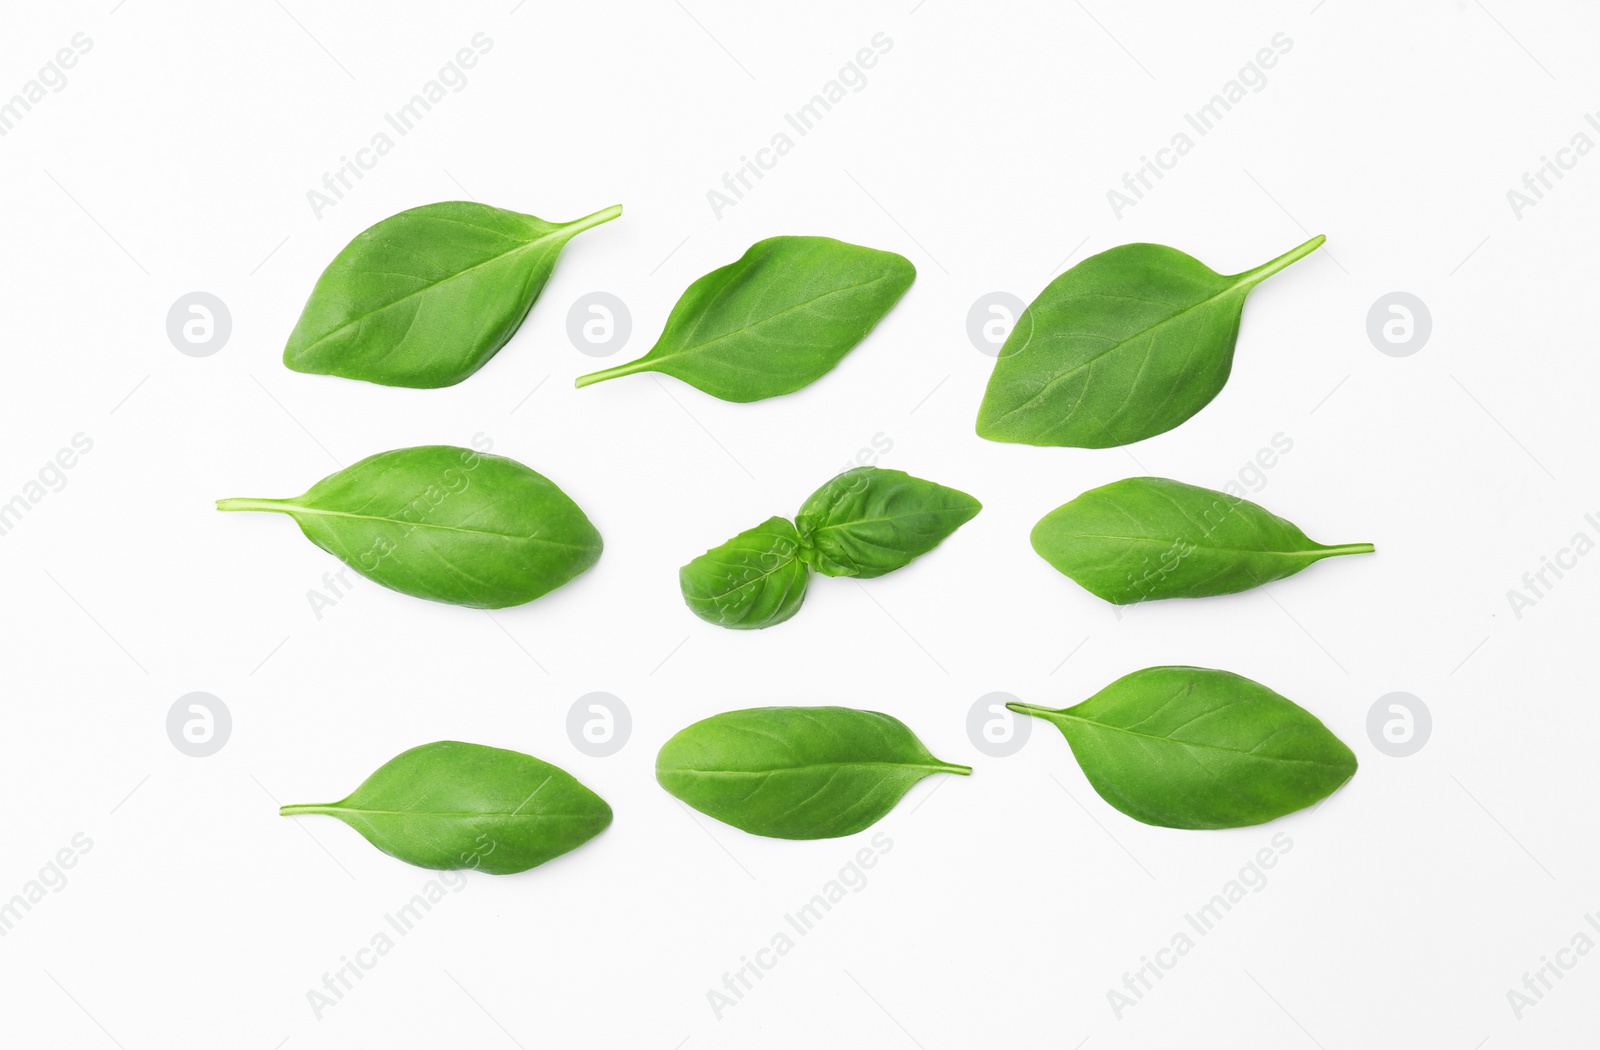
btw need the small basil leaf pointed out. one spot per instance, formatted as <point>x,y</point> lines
<point>444,523</point>
<point>869,521</point>
<point>1125,345</point>
<point>776,320</point>
<point>426,297</point>
<point>1190,747</point>
<point>450,805</point>
<point>1144,538</point>
<point>796,772</point>
<point>754,580</point>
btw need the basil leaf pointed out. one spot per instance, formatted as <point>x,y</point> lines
<point>1125,345</point>
<point>776,320</point>
<point>1144,538</point>
<point>863,523</point>
<point>426,297</point>
<point>443,523</point>
<point>796,772</point>
<point>754,580</point>
<point>869,521</point>
<point>451,805</point>
<point>1189,747</point>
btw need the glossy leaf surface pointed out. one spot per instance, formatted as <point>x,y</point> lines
<point>425,298</point>
<point>869,521</point>
<point>754,580</point>
<point>1191,747</point>
<point>445,523</point>
<point>776,320</point>
<point>796,772</point>
<point>1125,345</point>
<point>450,805</point>
<point>1144,538</point>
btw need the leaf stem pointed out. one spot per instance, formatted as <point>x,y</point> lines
<point>951,767</point>
<point>1032,709</point>
<point>591,221</point>
<point>1288,258</point>
<point>1347,548</point>
<point>280,506</point>
<point>306,807</point>
<point>642,364</point>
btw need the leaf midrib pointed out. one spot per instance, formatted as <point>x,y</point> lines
<point>763,578</point>
<point>441,813</point>
<point>295,508</point>
<point>937,768</point>
<point>1237,282</point>
<point>698,347</point>
<point>1184,743</point>
<point>555,233</point>
<point>874,521</point>
<point>1157,542</point>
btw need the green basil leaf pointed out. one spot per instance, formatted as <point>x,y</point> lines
<point>869,521</point>
<point>776,320</point>
<point>1144,538</point>
<point>443,523</point>
<point>796,772</point>
<point>426,297</point>
<point>864,523</point>
<point>1190,747</point>
<point>450,805</point>
<point>754,580</point>
<point>1125,345</point>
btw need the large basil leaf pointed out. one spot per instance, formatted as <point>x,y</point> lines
<point>445,523</point>
<point>1144,538</point>
<point>1190,747</point>
<point>426,297</point>
<point>451,805</point>
<point>754,580</point>
<point>1125,345</point>
<point>796,772</point>
<point>776,320</point>
<point>869,521</point>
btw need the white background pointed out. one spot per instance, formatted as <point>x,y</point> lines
<point>178,157</point>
